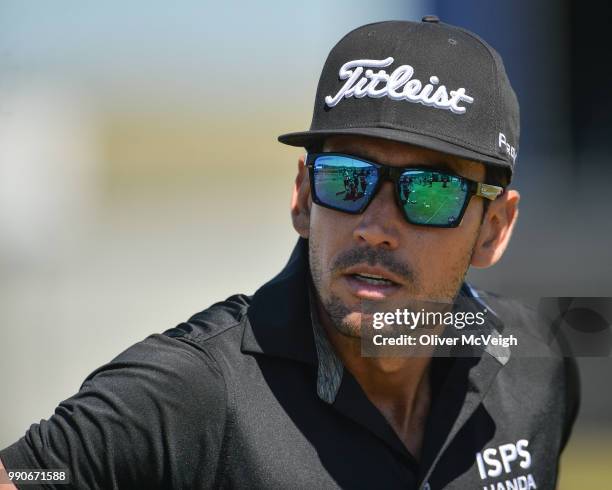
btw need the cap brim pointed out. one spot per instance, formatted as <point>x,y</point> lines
<point>313,137</point>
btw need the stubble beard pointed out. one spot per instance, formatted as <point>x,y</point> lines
<point>347,321</point>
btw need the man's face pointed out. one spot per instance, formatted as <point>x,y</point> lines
<point>416,262</point>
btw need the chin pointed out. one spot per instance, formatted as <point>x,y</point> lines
<point>351,324</point>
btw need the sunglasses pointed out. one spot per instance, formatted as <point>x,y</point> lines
<point>426,196</point>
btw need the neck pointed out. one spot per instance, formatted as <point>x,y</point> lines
<point>398,387</point>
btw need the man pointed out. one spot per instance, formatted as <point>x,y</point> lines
<point>273,390</point>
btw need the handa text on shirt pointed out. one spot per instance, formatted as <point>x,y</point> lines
<point>362,81</point>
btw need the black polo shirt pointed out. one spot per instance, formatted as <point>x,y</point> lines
<point>247,395</point>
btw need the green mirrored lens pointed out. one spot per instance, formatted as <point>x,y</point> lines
<point>343,182</point>
<point>432,198</point>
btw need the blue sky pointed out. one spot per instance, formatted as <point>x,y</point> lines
<point>122,49</point>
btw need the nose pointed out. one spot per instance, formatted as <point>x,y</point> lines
<point>379,225</point>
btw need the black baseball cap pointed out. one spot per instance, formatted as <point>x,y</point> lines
<point>425,83</point>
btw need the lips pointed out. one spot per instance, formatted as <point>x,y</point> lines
<point>371,283</point>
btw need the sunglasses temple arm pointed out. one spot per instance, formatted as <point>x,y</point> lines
<point>488,191</point>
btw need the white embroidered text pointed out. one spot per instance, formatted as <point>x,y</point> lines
<point>362,81</point>
<point>507,147</point>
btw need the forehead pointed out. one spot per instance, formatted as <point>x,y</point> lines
<point>402,155</point>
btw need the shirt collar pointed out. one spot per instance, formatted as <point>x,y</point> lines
<point>471,299</point>
<point>278,321</point>
<point>329,368</point>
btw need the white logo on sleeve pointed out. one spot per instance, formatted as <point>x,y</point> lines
<point>362,81</point>
<point>500,461</point>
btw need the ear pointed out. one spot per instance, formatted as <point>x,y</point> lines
<point>496,229</point>
<point>300,200</point>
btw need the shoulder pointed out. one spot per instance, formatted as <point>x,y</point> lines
<point>133,417</point>
<point>177,380</point>
<point>540,365</point>
<point>179,359</point>
<point>535,333</point>
<point>213,321</point>
<point>511,316</point>
<point>217,327</point>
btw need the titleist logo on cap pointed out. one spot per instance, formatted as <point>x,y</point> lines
<point>398,85</point>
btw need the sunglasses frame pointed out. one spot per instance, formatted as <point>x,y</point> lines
<point>393,174</point>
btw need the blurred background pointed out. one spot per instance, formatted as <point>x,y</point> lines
<point>141,180</point>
